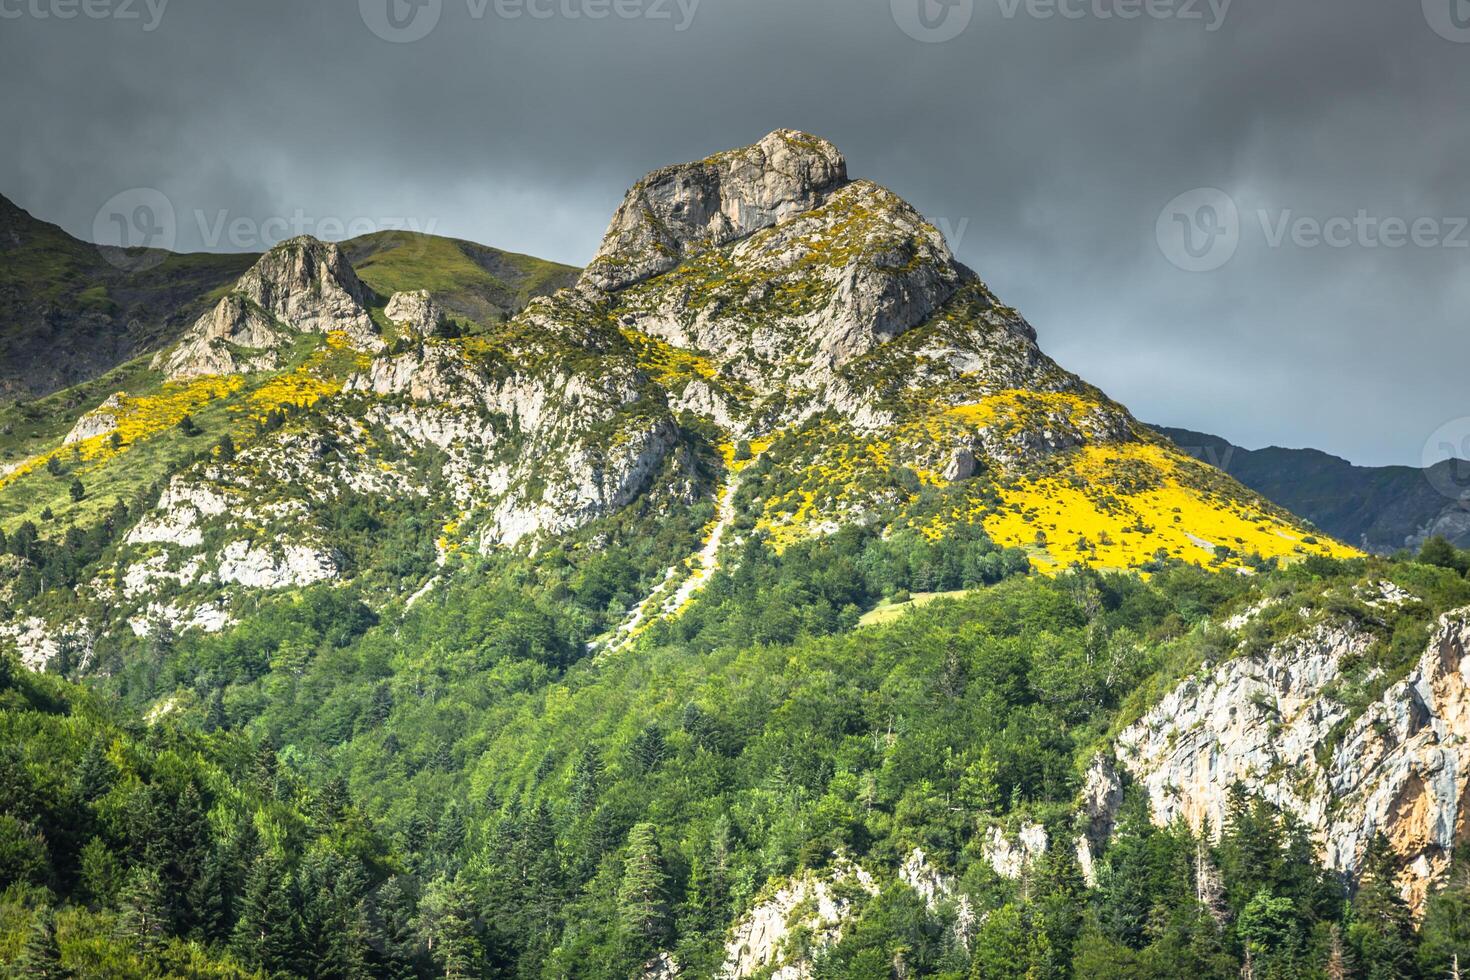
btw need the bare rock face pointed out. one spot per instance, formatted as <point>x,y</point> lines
<point>235,337</point>
<point>938,889</point>
<point>98,422</point>
<point>417,313</point>
<point>805,296</point>
<point>300,286</point>
<point>1401,768</point>
<point>677,211</point>
<point>292,565</point>
<point>811,903</point>
<point>309,286</point>
<point>1011,858</point>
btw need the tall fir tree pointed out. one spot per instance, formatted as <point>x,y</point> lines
<point>643,894</point>
<point>40,957</point>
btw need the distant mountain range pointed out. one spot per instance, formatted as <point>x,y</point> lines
<point>1377,508</point>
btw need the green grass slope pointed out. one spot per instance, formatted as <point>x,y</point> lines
<point>475,282</point>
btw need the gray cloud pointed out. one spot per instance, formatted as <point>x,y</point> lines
<point>1053,144</point>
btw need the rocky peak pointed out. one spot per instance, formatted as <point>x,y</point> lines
<point>309,286</point>
<point>416,312</point>
<point>679,211</point>
<point>301,286</point>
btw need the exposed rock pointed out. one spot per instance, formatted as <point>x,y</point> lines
<point>677,211</point>
<point>937,890</point>
<point>1400,768</point>
<point>1010,859</point>
<point>300,286</point>
<point>961,466</point>
<point>810,902</point>
<point>209,617</point>
<point>259,567</point>
<point>235,337</point>
<point>98,422</point>
<point>417,313</point>
<point>664,966</point>
<point>807,295</point>
<point>38,643</point>
<point>178,517</point>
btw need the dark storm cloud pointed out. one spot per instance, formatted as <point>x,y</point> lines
<point>1046,138</point>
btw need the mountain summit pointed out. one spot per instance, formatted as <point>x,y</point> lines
<point>682,210</point>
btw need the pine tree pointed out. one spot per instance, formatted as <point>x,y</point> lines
<point>215,718</point>
<point>1445,935</point>
<point>397,939</point>
<point>1381,930</point>
<point>101,873</point>
<point>1000,947</point>
<point>447,924</point>
<point>266,771</point>
<point>40,957</point>
<point>267,928</point>
<point>144,920</point>
<point>647,750</point>
<point>332,803</point>
<point>587,781</point>
<point>94,773</point>
<point>449,837</point>
<point>208,901</point>
<point>643,895</point>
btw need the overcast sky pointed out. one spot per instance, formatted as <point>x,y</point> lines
<point>1046,137</point>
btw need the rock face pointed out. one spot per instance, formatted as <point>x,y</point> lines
<point>1273,724</point>
<point>937,889</point>
<point>1009,858</point>
<point>806,296</point>
<point>675,212</point>
<point>300,286</point>
<point>809,902</point>
<point>263,568</point>
<point>236,337</point>
<point>98,422</point>
<point>417,313</point>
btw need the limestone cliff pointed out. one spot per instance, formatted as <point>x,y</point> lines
<point>1277,724</point>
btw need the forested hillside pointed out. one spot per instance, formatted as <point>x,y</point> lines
<point>321,791</point>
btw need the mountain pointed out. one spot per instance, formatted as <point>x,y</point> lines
<point>403,638</point>
<point>70,311</point>
<point>1379,509</point>
<point>474,282</point>
<point>68,314</point>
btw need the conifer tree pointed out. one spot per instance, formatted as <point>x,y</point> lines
<point>144,920</point>
<point>643,894</point>
<point>40,957</point>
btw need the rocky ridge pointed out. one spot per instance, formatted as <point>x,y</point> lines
<point>759,300</point>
